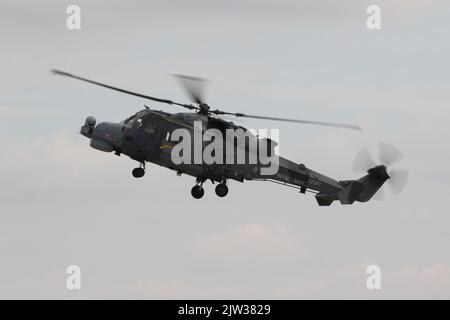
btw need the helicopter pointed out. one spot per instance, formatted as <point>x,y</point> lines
<point>147,136</point>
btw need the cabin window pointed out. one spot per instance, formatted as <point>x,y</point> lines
<point>150,126</point>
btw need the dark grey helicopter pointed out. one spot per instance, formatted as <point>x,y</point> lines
<point>146,137</point>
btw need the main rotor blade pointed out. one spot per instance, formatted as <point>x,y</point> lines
<point>193,86</point>
<point>320,123</point>
<point>167,101</point>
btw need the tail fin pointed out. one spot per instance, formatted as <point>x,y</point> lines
<point>361,190</point>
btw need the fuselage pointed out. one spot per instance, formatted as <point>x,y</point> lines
<point>146,136</point>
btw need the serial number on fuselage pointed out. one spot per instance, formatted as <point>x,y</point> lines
<point>296,181</point>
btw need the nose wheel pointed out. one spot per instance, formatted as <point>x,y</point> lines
<point>139,172</point>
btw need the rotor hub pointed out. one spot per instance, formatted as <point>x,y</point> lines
<point>379,173</point>
<point>203,108</point>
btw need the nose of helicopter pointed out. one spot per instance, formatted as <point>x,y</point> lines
<point>105,136</point>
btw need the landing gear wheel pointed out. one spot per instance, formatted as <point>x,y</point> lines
<point>138,172</point>
<point>197,191</point>
<point>221,190</point>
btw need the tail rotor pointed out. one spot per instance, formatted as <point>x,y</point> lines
<point>383,161</point>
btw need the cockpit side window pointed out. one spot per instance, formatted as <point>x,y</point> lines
<point>130,118</point>
<point>135,117</point>
<point>151,125</point>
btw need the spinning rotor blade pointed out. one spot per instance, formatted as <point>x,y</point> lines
<point>63,73</point>
<point>381,194</point>
<point>320,123</point>
<point>397,182</point>
<point>193,86</point>
<point>363,161</point>
<point>387,155</point>
<point>399,178</point>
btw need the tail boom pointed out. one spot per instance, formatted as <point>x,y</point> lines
<point>328,190</point>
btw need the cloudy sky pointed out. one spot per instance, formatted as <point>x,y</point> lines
<point>63,203</point>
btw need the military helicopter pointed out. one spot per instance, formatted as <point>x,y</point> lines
<point>146,137</point>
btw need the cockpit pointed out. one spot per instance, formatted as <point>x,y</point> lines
<point>131,120</point>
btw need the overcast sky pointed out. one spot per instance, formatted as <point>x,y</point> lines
<point>64,203</point>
